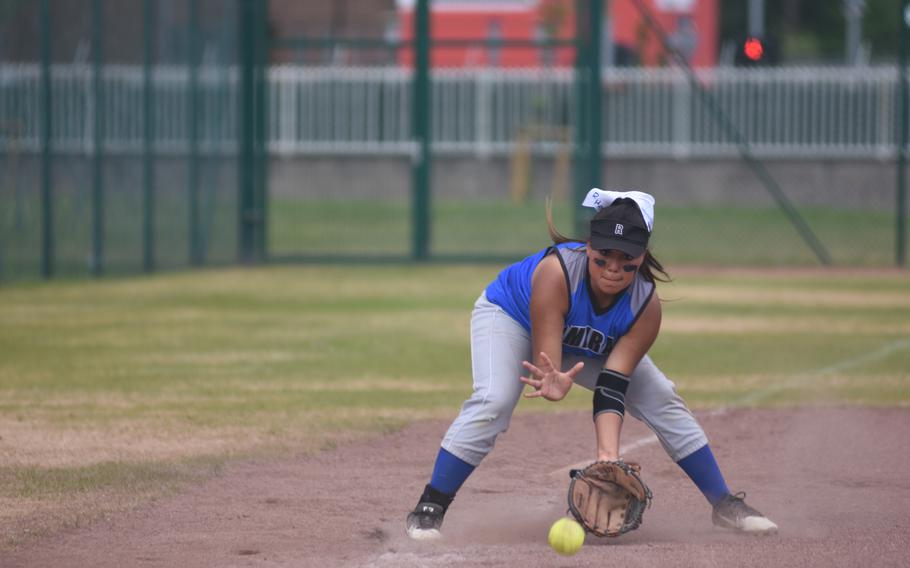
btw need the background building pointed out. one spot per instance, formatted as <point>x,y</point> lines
<point>693,26</point>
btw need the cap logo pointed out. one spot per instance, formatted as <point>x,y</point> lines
<point>618,229</point>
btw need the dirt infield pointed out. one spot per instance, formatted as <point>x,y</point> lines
<point>835,480</point>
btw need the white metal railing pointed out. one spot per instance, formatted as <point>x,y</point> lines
<point>780,112</point>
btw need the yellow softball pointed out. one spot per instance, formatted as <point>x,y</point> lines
<point>566,536</point>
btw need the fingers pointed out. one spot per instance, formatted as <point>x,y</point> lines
<point>531,382</point>
<point>545,359</point>
<point>576,369</point>
<point>537,372</point>
<point>535,383</point>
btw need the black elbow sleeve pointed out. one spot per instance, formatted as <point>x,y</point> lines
<point>610,393</point>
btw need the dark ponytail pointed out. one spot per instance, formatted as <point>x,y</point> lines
<point>651,269</point>
<point>555,236</point>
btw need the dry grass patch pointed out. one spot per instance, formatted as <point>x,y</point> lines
<point>350,385</point>
<point>47,444</point>
<point>777,324</point>
<point>35,502</point>
<point>785,296</point>
<point>36,444</point>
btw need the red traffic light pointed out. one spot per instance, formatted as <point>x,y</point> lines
<point>753,49</point>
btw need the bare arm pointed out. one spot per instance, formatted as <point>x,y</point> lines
<point>549,305</point>
<point>623,359</point>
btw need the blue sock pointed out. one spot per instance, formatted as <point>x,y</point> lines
<point>702,468</point>
<point>449,473</point>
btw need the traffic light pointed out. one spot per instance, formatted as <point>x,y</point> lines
<point>755,51</point>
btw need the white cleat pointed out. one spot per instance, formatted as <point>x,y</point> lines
<point>418,533</point>
<point>758,525</point>
<point>733,513</point>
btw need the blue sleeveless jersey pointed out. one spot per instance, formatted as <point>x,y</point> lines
<point>588,332</point>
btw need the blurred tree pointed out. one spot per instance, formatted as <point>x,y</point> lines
<point>880,27</point>
<point>814,30</point>
<point>825,23</point>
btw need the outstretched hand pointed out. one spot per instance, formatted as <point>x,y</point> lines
<point>547,381</point>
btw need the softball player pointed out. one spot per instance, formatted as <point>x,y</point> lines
<point>586,313</point>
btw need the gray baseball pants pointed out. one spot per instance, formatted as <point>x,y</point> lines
<point>499,344</point>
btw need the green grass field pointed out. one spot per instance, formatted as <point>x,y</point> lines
<point>467,228</point>
<point>683,235</point>
<point>114,392</point>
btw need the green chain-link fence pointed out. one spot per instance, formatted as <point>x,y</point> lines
<point>119,146</point>
<point>141,135</point>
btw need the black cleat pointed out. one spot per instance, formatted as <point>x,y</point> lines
<point>733,513</point>
<point>424,521</point>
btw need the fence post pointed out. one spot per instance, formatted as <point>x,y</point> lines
<point>148,140</point>
<point>903,117</point>
<point>97,260</point>
<point>421,131</point>
<point>595,94</point>
<point>682,115</point>
<point>482,126</point>
<point>589,83</point>
<point>261,49</point>
<point>246,205</point>
<point>47,186</point>
<point>195,241</point>
<point>582,119</point>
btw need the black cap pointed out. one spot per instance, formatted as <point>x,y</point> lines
<point>620,226</point>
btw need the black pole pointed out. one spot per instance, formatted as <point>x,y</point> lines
<point>97,261</point>
<point>421,167</point>
<point>193,111</point>
<point>148,141</point>
<point>47,183</point>
<point>580,153</point>
<point>260,125</point>
<point>246,174</point>
<point>595,94</point>
<point>903,117</point>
